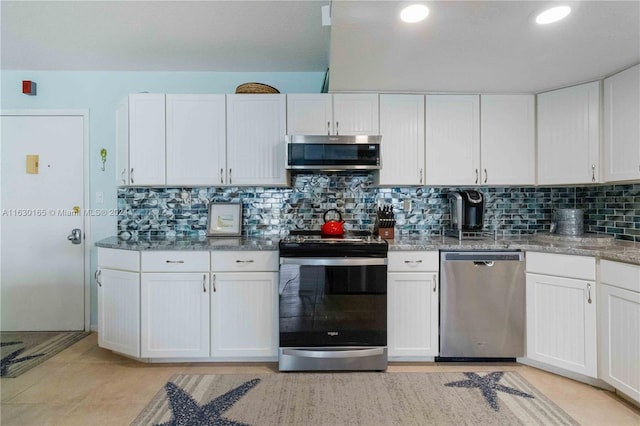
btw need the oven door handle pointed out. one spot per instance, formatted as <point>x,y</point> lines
<point>334,353</point>
<point>340,261</point>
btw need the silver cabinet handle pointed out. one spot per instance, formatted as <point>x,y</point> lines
<point>337,131</point>
<point>213,282</point>
<point>174,261</point>
<point>328,128</point>
<point>593,173</point>
<point>204,283</point>
<point>588,293</point>
<point>221,175</point>
<point>413,261</point>
<point>435,283</point>
<point>420,174</point>
<point>476,175</point>
<point>97,275</point>
<point>229,175</point>
<point>124,180</point>
<point>131,175</point>
<point>485,175</point>
<point>244,261</point>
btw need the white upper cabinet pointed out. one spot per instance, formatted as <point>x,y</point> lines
<point>309,114</point>
<point>140,129</point>
<point>452,149</point>
<point>402,130</point>
<point>569,135</point>
<point>356,114</point>
<point>256,131</point>
<point>196,132</point>
<point>622,125</point>
<point>507,139</point>
<point>337,114</point>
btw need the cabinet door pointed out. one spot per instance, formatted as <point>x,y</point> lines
<point>175,315</point>
<point>119,311</point>
<point>256,126</point>
<point>146,139</point>
<point>355,114</point>
<point>620,339</point>
<point>622,125</point>
<point>402,130</point>
<point>196,129</point>
<point>244,315</point>
<point>309,114</point>
<point>122,143</point>
<point>507,139</point>
<point>568,135</point>
<point>452,149</point>
<point>412,300</point>
<point>561,323</point>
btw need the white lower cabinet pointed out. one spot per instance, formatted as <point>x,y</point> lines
<point>175,315</point>
<point>118,284</point>
<point>412,305</point>
<point>619,327</point>
<point>561,312</point>
<point>244,315</point>
<point>244,305</point>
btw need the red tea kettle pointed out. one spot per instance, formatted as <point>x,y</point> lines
<point>332,227</point>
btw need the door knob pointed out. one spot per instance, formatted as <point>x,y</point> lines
<point>76,236</point>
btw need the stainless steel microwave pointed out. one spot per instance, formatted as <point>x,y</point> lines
<point>333,152</point>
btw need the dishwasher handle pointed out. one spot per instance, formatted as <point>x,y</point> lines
<point>482,257</point>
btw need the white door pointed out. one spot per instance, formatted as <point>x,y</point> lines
<point>402,130</point>
<point>309,114</point>
<point>196,132</point>
<point>561,323</point>
<point>507,139</point>
<point>412,315</point>
<point>249,332</point>
<point>174,315</point>
<point>356,114</point>
<point>256,131</point>
<point>452,139</point>
<point>43,273</point>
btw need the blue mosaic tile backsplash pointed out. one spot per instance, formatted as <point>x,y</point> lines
<point>272,212</point>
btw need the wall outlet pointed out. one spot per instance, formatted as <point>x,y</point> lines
<point>407,205</point>
<point>99,197</point>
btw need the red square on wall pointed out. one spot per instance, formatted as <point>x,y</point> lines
<point>29,87</point>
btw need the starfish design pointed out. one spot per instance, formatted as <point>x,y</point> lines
<point>489,386</point>
<point>186,410</point>
<point>11,359</point>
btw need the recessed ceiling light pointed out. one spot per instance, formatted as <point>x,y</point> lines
<point>414,13</point>
<point>553,14</point>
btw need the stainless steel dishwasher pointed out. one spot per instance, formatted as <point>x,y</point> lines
<point>482,304</point>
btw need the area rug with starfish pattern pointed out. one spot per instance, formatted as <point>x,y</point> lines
<point>23,350</point>
<point>487,398</point>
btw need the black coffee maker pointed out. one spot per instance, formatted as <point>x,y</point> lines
<point>467,210</point>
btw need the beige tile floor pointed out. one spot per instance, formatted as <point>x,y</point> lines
<point>87,385</point>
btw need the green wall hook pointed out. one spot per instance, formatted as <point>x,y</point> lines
<point>103,155</point>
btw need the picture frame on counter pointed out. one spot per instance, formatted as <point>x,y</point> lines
<point>224,220</point>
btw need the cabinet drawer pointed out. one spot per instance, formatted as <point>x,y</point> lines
<point>621,275</point>
<point>175,261</point>
<point>124,260</point>
<point>562,265</point>
<point>243,260</point>
<point>413,261</point>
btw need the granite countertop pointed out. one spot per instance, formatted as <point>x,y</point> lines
<point>194,244</point>
<point>601,246</point>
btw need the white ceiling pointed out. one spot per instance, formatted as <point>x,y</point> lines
<point>463,46</point>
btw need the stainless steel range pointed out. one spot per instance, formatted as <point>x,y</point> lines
<point>333,302</point>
